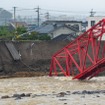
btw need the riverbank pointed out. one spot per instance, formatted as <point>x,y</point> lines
<point>35,57</point>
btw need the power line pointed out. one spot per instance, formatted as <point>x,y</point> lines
<point>45,12</point>
<point>47,15</point>
<point>62,11</point>
<point>25,10</point>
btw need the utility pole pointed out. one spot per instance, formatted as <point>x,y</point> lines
<point>14,13</point>
<point>38,15</point>
<point>92,13</point>
<point>47,16</point>
<point>14,9</point>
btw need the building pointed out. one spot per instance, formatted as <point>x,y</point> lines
<point>91,21</point>
<point>94,20</point>
<point>5,17</point>
<point>18,24</point>
<point>75,24</point>
<point>64,37</point>
<point>56,30</point>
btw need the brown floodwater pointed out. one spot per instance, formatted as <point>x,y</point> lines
<point>44,91</point>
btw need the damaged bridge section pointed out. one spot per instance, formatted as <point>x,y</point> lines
<point>13,51</point>
<point>84,57</point>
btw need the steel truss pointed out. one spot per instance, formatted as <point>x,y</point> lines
<point>84,57</point>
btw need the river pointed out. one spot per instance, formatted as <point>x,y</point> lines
<point>47,91</point>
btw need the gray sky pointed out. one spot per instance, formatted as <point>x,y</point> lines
<point>69,5</point>
<point>75,7</point>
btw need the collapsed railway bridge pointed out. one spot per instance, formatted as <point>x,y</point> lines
<point>82,58</point>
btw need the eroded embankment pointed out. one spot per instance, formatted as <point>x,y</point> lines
<point>35,58</point>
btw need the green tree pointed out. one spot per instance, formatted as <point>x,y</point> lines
<point>29,36</point>
<point>5,33</point>
<point>33,36</point>
<point>21,30</point>
<point>44,37</point>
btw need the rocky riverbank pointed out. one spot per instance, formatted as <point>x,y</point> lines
<point>96,93</point>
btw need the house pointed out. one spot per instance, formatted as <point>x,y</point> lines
<point>31,26</point>
<point>62,37</point>
<point>84,25</point>
<point>75,24</point>
<point>18,24</point>
<point>56,30</point>
<point>5,17</point>
<point>13,25</point>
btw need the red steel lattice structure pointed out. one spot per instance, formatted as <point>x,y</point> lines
<point>84,57</point>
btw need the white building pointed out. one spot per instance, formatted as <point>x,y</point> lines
<point>94,20</point>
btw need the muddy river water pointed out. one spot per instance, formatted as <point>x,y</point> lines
<point>51,91</point>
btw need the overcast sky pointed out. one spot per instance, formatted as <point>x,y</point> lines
<point>71,5</point>
<point>74,6</point>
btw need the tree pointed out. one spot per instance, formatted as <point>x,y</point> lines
<point>34,36</point>
<point>5,33</point>
<point>44,37</point>
<point>21,30</point>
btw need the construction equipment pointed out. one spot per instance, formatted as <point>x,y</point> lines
<point>82,58</point>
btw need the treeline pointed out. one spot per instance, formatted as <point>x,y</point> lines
<point>21,33</point>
